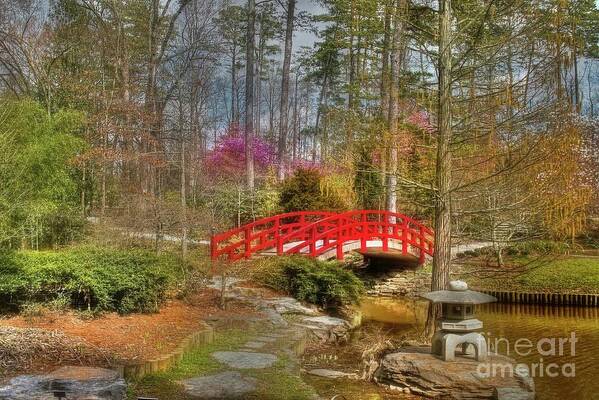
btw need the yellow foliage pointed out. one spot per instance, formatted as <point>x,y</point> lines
<point>558,185</point>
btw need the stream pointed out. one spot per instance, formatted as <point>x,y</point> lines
<point>569,375</point>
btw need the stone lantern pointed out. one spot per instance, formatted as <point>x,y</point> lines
<point>457,325</point>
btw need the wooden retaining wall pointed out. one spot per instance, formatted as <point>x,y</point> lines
<point>555,299</point>
<point>135,371</point>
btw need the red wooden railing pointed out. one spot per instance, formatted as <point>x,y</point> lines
<point>315,233</point>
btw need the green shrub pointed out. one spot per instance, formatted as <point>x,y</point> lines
<point>537,247</point>
<point>324,283</point>
<point>88,278</point>
<point>302,191</point>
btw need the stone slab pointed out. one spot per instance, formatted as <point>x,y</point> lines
<point>254,345</point>
<point>245,360</point>
<point>226,385</point>
<point>331,374</point>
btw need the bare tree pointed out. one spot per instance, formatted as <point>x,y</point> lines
<point>249,94</point>
<point>284,111</point>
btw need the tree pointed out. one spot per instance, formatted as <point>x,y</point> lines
<point>397,60</point>
<point>39,202</point>
<point>249,94</point>
<point>284,111</point>
<point>231,22</point>
<point>442,257</point>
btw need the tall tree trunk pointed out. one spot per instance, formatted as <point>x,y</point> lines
<point>442,256</point>
<point>385,63</point>
<point>577,97</point>
<point>397,58</point>
<point>258,85</point>
<point>249,95</point>
<point>320,105</point>
<point>442,247</point>
<point>234,98</point>
<point>284,111</point>
<point>295,119</point>
<point>183,177</point>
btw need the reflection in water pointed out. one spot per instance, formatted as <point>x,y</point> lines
<point>517,321</point>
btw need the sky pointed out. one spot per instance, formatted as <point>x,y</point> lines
<point>305,38</point>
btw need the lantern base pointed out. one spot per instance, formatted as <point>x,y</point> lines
<point>444,344</point>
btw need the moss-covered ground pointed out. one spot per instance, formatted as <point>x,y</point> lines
<point>279,382</point>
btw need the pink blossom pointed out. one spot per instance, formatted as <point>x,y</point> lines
<point>228,156</point>
<point>421,120</point>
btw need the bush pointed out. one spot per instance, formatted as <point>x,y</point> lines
<point>302,192</point>
<point>88,278</point>
<point>538,247</point>
<point>327,284</point>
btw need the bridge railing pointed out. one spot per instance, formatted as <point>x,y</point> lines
<point>363,225</point>
<point>316,233</point>
<point>261,234</point>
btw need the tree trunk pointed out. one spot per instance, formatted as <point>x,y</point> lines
<point>397,58</point>
<point>234,98</point>
<point>183,178</point>
<point>385,63</point>
<point>442,256</point>
<point>295,119</point>
<point>442,250</point>
<point>284,111</point>
<point>249,95</point>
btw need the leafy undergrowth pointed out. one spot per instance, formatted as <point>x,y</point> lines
<point>325,283</point>
<point>276,383</point>
<point>90,278</point>
<point>557,275</point>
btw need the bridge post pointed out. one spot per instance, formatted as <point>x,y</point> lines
<point>278,237</point>
<point>421,241</point>
<point>247,233</point>
<point>313,242</point>
<point>213,245</point>
<point>364,232</point>
<point>385,233</point>
<point>404,238</point>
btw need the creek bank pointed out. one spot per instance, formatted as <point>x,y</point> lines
<point>417,371</point>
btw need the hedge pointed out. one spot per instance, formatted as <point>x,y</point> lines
<point>89,277</point>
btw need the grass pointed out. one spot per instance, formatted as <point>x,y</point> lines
<point>558,275</point>
<point>279,382</point>
<point>164,385</point>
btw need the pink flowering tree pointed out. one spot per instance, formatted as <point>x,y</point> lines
<point>227,159</point>
<point>421,120</point>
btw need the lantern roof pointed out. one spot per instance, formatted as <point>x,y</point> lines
<point>458,293</point>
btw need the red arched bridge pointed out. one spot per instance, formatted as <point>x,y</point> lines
<point>325,235</point>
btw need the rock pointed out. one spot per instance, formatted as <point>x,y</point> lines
<point>273,316</point>
<point>216,282</point>
<point>289,305</point>
<point>265,339</point>
<point>510,394</point>
<point>79,383</point>
<point>226,385</point>
<point>331,374</point>
<point>327,329</point>
<point>254,345</point>
<point>428,376</point>
<point>245,360</point>
<point>326,321</point>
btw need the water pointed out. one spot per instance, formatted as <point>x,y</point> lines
<point>514,322</point>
